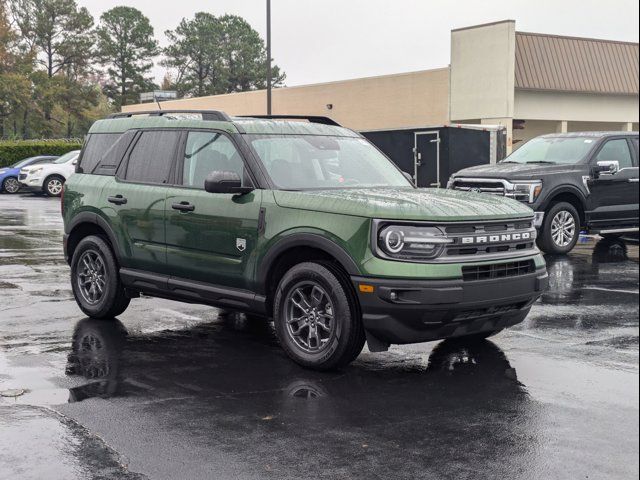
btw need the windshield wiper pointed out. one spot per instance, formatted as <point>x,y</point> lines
<point>543,161</point>
<point>508,161</point>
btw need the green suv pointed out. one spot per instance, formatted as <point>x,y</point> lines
<point>295,219</point>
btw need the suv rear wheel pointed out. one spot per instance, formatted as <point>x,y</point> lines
<point>316,318</point>
<point>560,229</point>
<point>53,185</point>
<point>95,281</point>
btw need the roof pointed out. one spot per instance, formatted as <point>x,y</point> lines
<point>235,125</point>
<point>551,62</point>
<point>590,134</point>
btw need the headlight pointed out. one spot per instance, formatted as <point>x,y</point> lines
<point>35,170</point>
<point>526,192</point>
<point>409,242</point>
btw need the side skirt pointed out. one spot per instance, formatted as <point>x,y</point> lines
<point>185,290</point>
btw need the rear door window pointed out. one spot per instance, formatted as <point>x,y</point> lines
<point>152,157</point>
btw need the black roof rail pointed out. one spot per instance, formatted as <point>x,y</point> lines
<point>206,114</point>
<point>310,118</point>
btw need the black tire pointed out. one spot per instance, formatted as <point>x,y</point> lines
<point>111,301</point>
<point>52,186</point>
<point>345,336</point>
<point>553,237</point>
<point>10,185</point>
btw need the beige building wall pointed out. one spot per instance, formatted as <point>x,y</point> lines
<point>482,71</point>
<point>391,101</point>
<point>575,106</point>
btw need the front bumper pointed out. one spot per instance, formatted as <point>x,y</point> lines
<point>412,311</point>
<point>33,184</point>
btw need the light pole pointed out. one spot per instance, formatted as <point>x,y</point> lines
<point>268,57</point>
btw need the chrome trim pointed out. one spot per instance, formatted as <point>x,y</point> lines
<point>620,230</point>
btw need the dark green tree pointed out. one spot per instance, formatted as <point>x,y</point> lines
<point>214,55</point>
<point>195,53</point>
<point>126,48</point>
<point>57,31</point>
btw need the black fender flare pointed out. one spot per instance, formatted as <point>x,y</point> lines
<point>95,219</point>
<point>303,240</point>
<point>565,189</point>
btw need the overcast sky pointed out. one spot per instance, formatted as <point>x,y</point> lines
<point>325,40</point>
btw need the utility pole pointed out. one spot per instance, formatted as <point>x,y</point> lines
<point>268,57</point>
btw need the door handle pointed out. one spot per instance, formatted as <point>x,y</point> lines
<point>117,200</point>
<point>183,207</point>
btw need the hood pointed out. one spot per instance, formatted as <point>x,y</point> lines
<point>520,171</point>
<point>405,203</point>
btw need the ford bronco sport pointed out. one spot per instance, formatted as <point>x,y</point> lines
<point>304,222</point>
<point>573,181</point>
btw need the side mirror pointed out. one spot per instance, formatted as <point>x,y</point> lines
<point>225,182</point>
<point>606,167</point>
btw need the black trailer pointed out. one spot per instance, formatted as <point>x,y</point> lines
<point>433,154</point>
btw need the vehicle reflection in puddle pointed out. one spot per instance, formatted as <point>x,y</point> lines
<point>240,359</point>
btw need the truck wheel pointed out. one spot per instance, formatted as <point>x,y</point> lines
<point>95,281</point>
<point>316,318</point>
<point>560,229</point>
<point>10,185</point>
<point>53,185</point>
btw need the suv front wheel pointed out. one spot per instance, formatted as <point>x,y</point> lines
<point>95,281</point>
<point>316,318</point>
<point>560,229</point>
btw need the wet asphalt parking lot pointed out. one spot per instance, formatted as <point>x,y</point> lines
<point>177,391</point>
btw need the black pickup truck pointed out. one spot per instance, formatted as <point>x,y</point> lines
<point>573,182</point>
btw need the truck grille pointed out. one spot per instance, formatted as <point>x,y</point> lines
<point>493,188</point>
<point>498,270</point>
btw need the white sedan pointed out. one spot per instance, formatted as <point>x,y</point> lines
<point>49,178</point>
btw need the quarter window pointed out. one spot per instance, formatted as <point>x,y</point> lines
<point>617,150</point>
<point>207,152</point>
<point>152,157</point>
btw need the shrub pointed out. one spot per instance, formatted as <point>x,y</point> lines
<point>12,151</point>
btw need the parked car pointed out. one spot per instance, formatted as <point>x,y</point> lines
<point>9,182</point>
<point>49,178</point>
<point>303,222</point>
<point>573,181</point>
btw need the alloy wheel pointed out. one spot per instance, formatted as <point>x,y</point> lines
<point>11,185</point>
<point>92,277</point>
<point>54,187</point>
<point>309,315</point>
<point>563,228</point>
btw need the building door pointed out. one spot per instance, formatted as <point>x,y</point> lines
<point>427,159</point>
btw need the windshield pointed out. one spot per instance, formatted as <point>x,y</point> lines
<point>67,156</point>
<point>560,150</point>
<point>21,163</point>
<point>303,162</point>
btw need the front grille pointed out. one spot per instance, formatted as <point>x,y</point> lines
<point>22,176</point>
<point>494,188</point>
<point>498,270</point>
<point>490,238</point>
